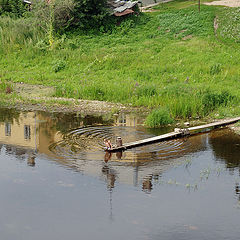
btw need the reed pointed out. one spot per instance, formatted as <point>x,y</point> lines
<point>158,117</point>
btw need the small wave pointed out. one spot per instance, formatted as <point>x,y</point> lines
<point>86,143</point>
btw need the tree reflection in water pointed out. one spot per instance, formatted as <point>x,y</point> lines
<point>110,179</point>
<point>31,160</point>
<point>147,184</point>
<point>226,147</point>
<point>9,115</point>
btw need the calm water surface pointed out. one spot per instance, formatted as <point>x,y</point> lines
<point>56,182</point>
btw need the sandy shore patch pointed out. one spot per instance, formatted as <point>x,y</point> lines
<point>227,3</point>
<point>41,98</point>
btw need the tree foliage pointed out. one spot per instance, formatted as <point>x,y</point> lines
<point>63,14</point>
<point>13,7</point>
<point>89,13</point>
<point>59,15</point>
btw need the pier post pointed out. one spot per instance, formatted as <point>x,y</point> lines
<point>119,142</point>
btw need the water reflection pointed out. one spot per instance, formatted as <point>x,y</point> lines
<point>110,176</point>
<point>9,115</point>
<point>108,156</point>
<point>237,191</point>
<point>20,153</point>
<point>230,153</point>
<point>76,141</point>
<point>31,160</point>
<point>147,192</point>
<point>147,184</point>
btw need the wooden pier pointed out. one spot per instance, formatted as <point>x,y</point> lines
<point>176,134</point>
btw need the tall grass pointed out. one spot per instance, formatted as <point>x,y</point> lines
<point>158,117</point>
<point>19,33</point>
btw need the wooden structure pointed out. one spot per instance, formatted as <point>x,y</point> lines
<point>178,133</point>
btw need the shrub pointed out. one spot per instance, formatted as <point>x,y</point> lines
<point>158,117</point>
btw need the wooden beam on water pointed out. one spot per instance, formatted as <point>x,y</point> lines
<point>174,135</point>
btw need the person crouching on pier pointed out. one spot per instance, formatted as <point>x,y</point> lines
<point>107,144</point>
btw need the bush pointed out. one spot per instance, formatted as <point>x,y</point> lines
<point>158,117</point>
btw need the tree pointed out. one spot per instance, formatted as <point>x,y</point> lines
<point>13,7</point>
<point>4,6</point>
<point>89,13</point>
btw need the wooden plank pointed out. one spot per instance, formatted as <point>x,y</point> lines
<point>215,124</point>
<point>174,135</point>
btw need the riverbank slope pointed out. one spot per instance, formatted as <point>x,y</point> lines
<point>174,58</point>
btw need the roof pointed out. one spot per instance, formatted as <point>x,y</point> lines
<point>125,12</point>
<point>28,2</point>
<point>126,5</point>
<point>119,7</point>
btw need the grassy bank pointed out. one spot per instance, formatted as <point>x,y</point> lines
<point>170,59</point>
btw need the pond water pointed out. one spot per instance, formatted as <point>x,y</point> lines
<point>56,182</point>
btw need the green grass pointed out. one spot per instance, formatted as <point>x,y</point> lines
<point>178,4</point>
<point>229,31</point>
<point>6,87</point>
<point>170,58</point>
<point>158,117</point>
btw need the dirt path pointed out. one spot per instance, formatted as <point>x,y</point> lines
<point>227,3</point>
